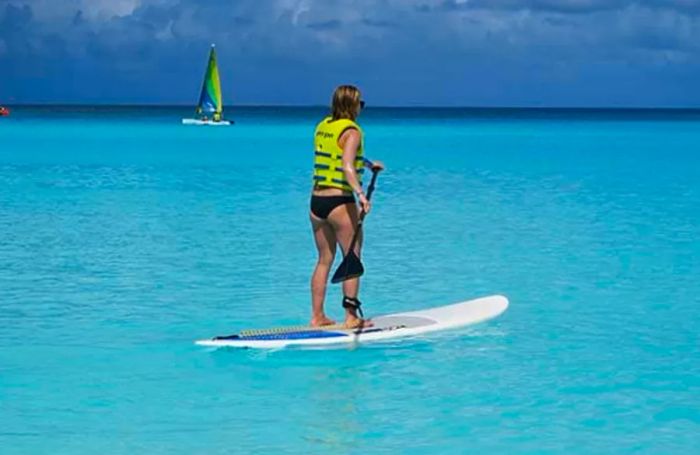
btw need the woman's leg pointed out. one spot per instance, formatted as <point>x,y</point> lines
<point>344,220</point>
<point>325,244</point>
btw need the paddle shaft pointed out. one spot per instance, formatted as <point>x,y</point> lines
<point>370,190</point>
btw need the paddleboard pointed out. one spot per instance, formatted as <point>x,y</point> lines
<point>384,327</point>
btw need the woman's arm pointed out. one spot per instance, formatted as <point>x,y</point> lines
<point>350,142</point>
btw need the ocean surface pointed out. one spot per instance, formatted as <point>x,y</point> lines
<point>125,236</point>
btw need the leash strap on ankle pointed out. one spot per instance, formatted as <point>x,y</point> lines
<point>351,303</point>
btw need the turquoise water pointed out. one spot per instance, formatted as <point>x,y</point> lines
<point>125,236</point>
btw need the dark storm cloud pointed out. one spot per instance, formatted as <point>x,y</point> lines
<point>440,51</point>
<point>333,24</point>
<point>559,6</point>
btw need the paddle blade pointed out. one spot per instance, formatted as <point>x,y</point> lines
<point>351,267</point>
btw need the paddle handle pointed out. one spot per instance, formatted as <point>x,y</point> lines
<point>370,190</point>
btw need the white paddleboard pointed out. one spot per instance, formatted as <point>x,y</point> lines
<point>194,121</point>
<point>385,327</point>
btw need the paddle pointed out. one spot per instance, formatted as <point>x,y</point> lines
<point>351,267</point>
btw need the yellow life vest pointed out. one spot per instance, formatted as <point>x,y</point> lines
<point>328,156</point>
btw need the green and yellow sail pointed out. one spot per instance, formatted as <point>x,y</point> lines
<point>210,101</point>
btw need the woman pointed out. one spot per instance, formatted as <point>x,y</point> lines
<point>338,166</point>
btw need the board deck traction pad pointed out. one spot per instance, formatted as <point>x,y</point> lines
<point>290,329</point>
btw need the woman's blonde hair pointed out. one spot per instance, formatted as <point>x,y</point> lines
<point>346,102</point>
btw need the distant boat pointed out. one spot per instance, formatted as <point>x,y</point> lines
<point>4,112</point>
<point>210,108</point>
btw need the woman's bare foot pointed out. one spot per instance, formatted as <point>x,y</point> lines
<point>321,320</point>
<point>353,322</point>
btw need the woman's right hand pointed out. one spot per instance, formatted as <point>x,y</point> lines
<point>377,166</point>
<point>365,205</point>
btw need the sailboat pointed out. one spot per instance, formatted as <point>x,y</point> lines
<point>210,107</point>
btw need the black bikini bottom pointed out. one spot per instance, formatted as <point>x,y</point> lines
<point>322,206</point>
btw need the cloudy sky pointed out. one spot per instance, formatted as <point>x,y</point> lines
<point>401,52</point>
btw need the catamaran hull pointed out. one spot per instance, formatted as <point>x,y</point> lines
<point>194,121</point>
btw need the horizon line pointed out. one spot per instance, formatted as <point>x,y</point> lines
<point>371,107</point>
